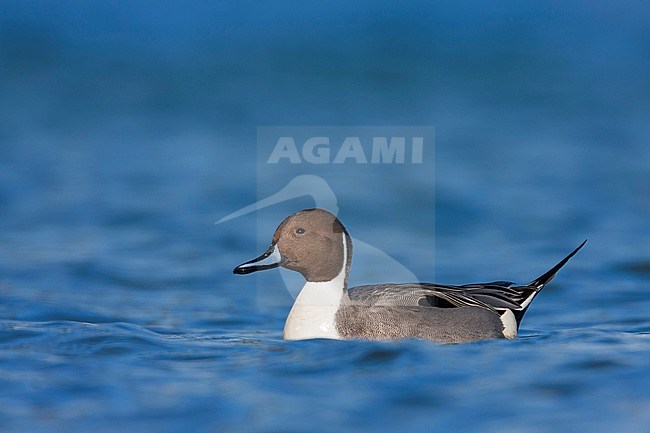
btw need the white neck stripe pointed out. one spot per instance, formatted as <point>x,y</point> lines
<point>314,311</point>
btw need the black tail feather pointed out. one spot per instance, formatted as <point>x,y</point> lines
<point>537,284</point>
<point>548,276</point>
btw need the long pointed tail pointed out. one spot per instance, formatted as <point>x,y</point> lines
<point>544,279</point>
<point>529,291</point>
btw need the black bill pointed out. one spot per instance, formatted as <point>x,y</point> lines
<point>269,260</point>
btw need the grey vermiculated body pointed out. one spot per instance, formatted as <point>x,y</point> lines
<point>445,325</point>
<point>394,311</point>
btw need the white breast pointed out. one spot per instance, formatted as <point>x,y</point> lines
<point>313,313</point>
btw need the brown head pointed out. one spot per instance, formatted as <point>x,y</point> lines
<point>312,242</point>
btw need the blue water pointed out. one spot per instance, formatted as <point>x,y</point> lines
<point>127,131</point>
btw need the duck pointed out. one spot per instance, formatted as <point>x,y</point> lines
<point>314,243</point>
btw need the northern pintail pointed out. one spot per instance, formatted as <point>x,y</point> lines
<point>314,243</point>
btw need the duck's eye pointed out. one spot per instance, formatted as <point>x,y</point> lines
<point>300,230</point>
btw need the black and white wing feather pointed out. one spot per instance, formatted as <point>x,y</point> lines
<point>497,296</point>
